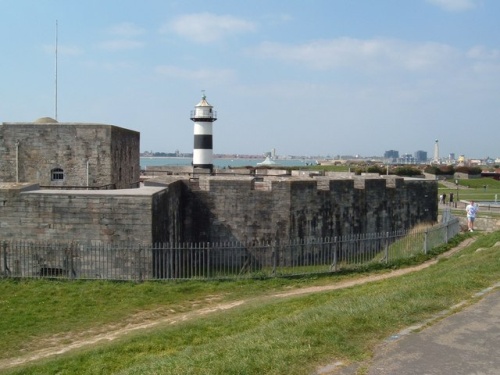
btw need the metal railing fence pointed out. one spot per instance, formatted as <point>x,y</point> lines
<point>229,260</point>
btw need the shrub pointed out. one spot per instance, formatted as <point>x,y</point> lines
<point>440,170</point>
<point>469,170</point>
<point>407,171</point>
<point>447,169</point>
<point>376,169</point>
<point>370,169</point>
<point>432,169</point>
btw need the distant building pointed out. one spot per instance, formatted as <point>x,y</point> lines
<point>55,154</point>
<point>407,159</point>
<point>391,154</point>
<point>436,151</point>
<point>489,161</point>
<point>420,156</point>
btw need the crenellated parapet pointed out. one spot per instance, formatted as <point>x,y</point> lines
<point>243,208</point>
<point>218,209</point>
<point>270,183</point>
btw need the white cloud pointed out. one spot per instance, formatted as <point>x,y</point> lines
<point>125,35</point>
<point>485,62</point>
<point>482,53</point>
<point>202,75</point>
<point>126,29</point>
<point>63,50</point>
<point>120,44</point>
<point>207,27</point>
<point>108,66</point>
<point>455,5</point>
<point>278,19</point>
<point>361,54</point>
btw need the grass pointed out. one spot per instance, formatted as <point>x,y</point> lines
<point>473,189</point>
<point>266,335</point>
<point>33,309</point>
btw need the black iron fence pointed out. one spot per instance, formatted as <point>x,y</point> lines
<point>229,260</point>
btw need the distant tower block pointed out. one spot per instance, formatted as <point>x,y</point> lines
<point>203,117</point>
<point>436,151</point>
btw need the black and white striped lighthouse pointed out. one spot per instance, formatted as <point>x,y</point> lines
<point>203,117</point>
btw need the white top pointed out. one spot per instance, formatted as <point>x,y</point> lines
<point>471,210</point>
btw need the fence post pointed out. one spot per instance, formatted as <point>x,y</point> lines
<point>426,235</point>
<point>72,273</point>
<point>335,254</point>
<point>386,250</point>
<point>139,263</point>
<point>208,273</point>
<point>5,267</point>
<point>446,232</point>
<point>170,249</point>
<point>274,250</point>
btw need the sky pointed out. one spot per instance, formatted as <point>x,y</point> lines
<point>315,77</point>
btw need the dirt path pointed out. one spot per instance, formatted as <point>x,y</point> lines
<point>60,344</point>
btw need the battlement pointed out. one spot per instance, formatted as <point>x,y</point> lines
<point>261,208</point>
<point>226,182</point>
<point>206,208</point>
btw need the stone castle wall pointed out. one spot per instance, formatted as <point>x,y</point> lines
<point>99,154</point>
<point>124,157</point>
<point>219,209</point>
<point>88,216</point>
<point>216,209</point>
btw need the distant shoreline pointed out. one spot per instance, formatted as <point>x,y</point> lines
<point>219,162</point>
<point>244,157</point>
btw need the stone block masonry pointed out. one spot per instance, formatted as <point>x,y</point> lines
<point>93,155</point>
<point>87,216</point>
<point>220,209</point>
<point>208,209</point>
<point>217,209</point>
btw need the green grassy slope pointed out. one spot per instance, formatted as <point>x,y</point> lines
<point>263,335</point>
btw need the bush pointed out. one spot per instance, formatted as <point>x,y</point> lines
<point>370,169</point>
<point>447,169</point>
<point>407,171</point>
<point>376,169</point>
<point>469,170</point>
<point>432,169</point>
<point>440,170</point>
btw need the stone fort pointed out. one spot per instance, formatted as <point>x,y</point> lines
<point>82,182</point>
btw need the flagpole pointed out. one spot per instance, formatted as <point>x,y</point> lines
<point>56,77</point>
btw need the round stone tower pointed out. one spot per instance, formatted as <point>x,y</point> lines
<point>203,117</point>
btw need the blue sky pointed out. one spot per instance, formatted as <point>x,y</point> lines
<point>316,77</point>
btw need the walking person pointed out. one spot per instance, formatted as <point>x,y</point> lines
<point>471,211</point>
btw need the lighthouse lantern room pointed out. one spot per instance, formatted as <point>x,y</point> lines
<point>203,117</point>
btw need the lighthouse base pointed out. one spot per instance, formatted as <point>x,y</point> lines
<point>204,166</point>
<point>203,169</point>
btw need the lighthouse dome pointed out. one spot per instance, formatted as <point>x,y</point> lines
<point>203,102</point>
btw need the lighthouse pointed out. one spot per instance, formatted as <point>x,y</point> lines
<point>203,117</point>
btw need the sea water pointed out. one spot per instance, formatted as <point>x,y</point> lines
<point>222,162</point>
